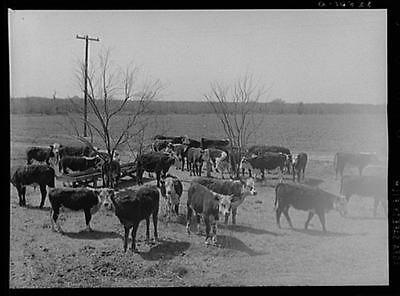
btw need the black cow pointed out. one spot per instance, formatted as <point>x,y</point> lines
<point>195,159</point>
<point>299,166</point>
<point>180,151</point>
<point>212,143</point>
<point>239,189</point>
<point>73,151</point>
<point>159,145</point>
<point>172,139</point>
<point>266,161</point>
<point>131,207</point>
<point>76,199</point>
<point>78,163</point>
<point>171,189</point>
<point>306,198</point>
<point>209,204</point>
<point>111,173</point>
<point>368,186</point>
<point>358,160</point>
<point>41,175</point>
<point>153,162</point>
<point>262,149</point>
<point>42,154</point>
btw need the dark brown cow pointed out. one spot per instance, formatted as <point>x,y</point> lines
<point>368,186</point>
<point>78,163</point>
<point>358,160</point>
<point>239,189</point>
<point>305,198</point>
<point>153,162</point>
<point>299,166</point>
<point>73,151</point>
<point>133,206</point>
<point>42,154</point>
<point>213,143</point>
<point>195,159</point>
<point>34,175</point>
<point>202,201</point>
<point>111,173</point>
<point>266,161</point>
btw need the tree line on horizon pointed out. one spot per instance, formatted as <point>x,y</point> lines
<point>47,106</point>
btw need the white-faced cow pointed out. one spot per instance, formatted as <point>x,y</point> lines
<point>358,160</point>
<point>171,189</point>
<point>78,163</point>
<point>34,175</point>
<point>299,166</point>
<point>366,186</point>
<point>208,204</point>
<point>306,198</point>
<point>77,199</point>
<point>133,206</point>
<point>153,162</point>
<point>239,189</point>
<point>41,154</point>
<point>267,161</point>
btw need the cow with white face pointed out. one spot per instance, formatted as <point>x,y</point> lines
<point>171,189</point>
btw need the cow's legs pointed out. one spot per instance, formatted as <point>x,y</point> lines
<point>226,218</point>
<point>43,192</point>
<point>176,208</point>
<point>234,212</point>
<point>278,216</point>
<point>158,174</point>
<point>54,213</point>
<point>286,213</point>
<point>198,223</point>
<point>321,217</point>
<point>88,217</point>
<point>188,217</point>
<point>23,192</point>
<point>207,223</point>
<point>214,230</point>
<point>134,230</point>
<point>310,216</point>
<point>148,229</point>
<point>126,235</point>
<point>155,224</point>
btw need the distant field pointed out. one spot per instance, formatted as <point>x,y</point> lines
<point>319,135</point>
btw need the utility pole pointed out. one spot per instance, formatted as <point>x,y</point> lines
<point>87,39</point>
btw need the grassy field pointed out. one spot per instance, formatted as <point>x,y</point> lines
<point>354,251</point>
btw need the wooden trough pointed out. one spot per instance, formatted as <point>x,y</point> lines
<point>90,177</point>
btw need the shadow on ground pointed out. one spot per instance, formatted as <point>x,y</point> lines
<point>232,243</point>
<point>93,235</point>
<point>315,232</point>
<point>31,207</point>
<point>244,228</point>
<point>166,250</point>
<point>313,181</point>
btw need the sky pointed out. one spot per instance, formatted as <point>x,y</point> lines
<point>327,56</point>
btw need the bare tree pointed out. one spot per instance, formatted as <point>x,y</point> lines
<point>235,107</point>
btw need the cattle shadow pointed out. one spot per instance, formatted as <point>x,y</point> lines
<point>31,207</point>
<point>93,235</point>
<point>315,232</point>
<point>243,228</point>
<point>232,243</point>
<point>165,250</point>
<point>313,181</point>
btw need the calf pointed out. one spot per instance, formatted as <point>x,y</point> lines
<point>42,175</point>
<point>171,189</point>
<point>267,161</point>
<point>78,163</point>
<point>180,151</point>
<point>368,186</point>
<point>209,204</point>
<point>42,154</point>
<point>76,199</point>
<point>134,206</point>
<point>306,198</point>
<point>153,162</point>
<point>111,173</point>
<point>358,160</point>
<point>195,159</point>
<point>239,189</point>
<point>299,166</point>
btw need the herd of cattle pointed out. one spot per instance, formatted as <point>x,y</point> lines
<point>207,196</point>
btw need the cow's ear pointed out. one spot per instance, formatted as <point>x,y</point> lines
<point>216,196</point>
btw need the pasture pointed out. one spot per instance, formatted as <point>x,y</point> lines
<point>354,251</point>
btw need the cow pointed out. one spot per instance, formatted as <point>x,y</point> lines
<point>266,161</point>
<point>153,162</point>
<point>368,186</point>
<point>159,145</point>
<point>76,199</point>
<point>261,149</point>
<point>73,151</point>
<point>78,163</point>
<point>42,154</point>
<point>34,175</point>
<point>358,160</point>
<point>171,189</point>
<point>306,198</point>
<point>195,159</point>
<point>191,142</point>
<point>299,166</point>
<point>172,139</point>
<point>133,206</point>
<point>202,201</point>
<point>239,189</point>
<point>180,151</point>
<point>209,143</point>
<point>111,173</point>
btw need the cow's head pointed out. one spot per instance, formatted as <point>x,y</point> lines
<point>224,203</point>
<point>248,187</point>
<point>168,190</point>
<point>244,164</point>
<point>340,205</point>
<point>104,195</point>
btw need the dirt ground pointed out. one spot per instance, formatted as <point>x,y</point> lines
<point>354,251</point>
